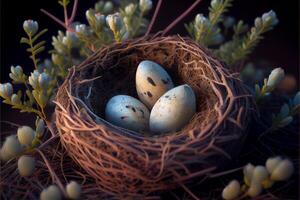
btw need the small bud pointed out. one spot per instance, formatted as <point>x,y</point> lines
<point>286,121</point>
<point>284,111</point>
<point>44,81</point>
<point>200,19</point>
<point>30,27</point>
<point>73,190</point>
<point>145,5</point>
<point>283,171</point>
<point>267,183</point>
<point>258,22</point>
<point>217,39</point>
<point>254,190</point>
<point>26,165</point>
<point>70,40</point>
<point>270,17</point>
<point>10,148</point>
<point>296,99</point>
<point>15,99</point>
<point>26,135</point>
<point>100,20</point>
<point>16,74</point>
<point>229,22</point>
<point>6,90</point>
<point>130,9</point>
<point>260,173</point>
<point>51,193</point>
<point>114,22</point>
<point>90,15</point>
<point>275,77</point>
<point>58,59</point>
<point>214,3</point>
<point>272,163</point>
<point>33,79</point>
<point>40,127</point>
<point>248,173</point>
<point>108,7</point>
<point>232,190</point>
<point>81,29</point>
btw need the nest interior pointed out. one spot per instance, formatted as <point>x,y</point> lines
<point>127,163</point>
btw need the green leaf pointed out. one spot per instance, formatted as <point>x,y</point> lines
<point>286,121</point>
<point>38,45</point>
<point>38,35</point>
<point>24,41</point>
<point>39,50</point>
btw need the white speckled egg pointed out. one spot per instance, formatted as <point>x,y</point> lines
<point>127,112</point>
<point>152,81</point>
<point>173,110</point>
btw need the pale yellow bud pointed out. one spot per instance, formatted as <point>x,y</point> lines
<point>232,190</point>
<point>254,190</point>
<point>248,172</point>
<point>73,190</point>
<point>26,135</point>
<point>51,193</point>
<point>260,173</point>
<point>26,165</point>
<point>272,163</point>
<point>283,171</point>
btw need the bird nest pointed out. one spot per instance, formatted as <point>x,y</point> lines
<point>127,163</point>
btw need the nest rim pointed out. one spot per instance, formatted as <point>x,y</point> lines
<point>95,122</point>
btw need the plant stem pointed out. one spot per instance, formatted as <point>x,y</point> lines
<point>54,18</point>
<point>178,19</point>
<point>74,11</point>
<point>154,17</point>
<point>32,52</point>
<point>66,14</point>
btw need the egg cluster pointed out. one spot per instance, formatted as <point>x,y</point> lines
<point>162,108</point>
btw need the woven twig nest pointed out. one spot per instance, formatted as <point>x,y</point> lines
<point>127,163</point>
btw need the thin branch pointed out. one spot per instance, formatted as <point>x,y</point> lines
<point>54,18</point>
<point>74,11</point>
<point>176,21</point>
<point>154,17</point>
<point>66,15</point>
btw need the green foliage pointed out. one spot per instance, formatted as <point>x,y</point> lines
<point>24,142</point>
<point>275,77</point>
<point>286,113</point>
<point>35,47</point>
<point>208,31</point>
<point>64,3</point>
<point>241,44</point>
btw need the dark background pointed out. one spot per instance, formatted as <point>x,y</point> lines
<point>280,46</point>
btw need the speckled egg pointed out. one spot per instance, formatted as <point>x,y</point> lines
<point>152,81</point>
<point>127,112</point>
<point>173,110</point>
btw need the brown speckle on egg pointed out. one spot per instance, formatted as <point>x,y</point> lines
<point>133,109</point>
<point>150,80</point>
<point>165,81</point>
<point>149,94</point>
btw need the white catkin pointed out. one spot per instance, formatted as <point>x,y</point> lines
<point>73,190</point>
<point>26,165</point>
